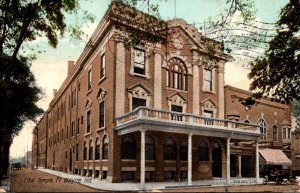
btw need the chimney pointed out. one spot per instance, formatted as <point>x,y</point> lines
<point>70,66</point>
<point>54,92</point>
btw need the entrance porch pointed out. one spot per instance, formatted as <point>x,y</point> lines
<point>146,120</point>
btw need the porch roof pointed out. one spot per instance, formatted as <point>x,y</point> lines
<point>144,118</point>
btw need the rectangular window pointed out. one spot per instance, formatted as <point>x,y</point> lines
<point>149,176</point>
<point>89,79</point>
<point>207,80</point>
<point>289,133</point>
<point>88,121</point>
<point>127,176</point>
<point>73,129</point>
<point>183,175</point>
<point>169,175</point>
<point>139,61</point>
<point>175,116</point>
<point>67,132</point>
<point>208,114</point>
<point>138,102</point>
<point>102,67</point>
<point>284,133</point>
<point>77,126</point>
<point>101,115</point>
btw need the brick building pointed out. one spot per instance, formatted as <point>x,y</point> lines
<point>155,112</point>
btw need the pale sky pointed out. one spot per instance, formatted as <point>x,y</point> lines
<point>50,68</point>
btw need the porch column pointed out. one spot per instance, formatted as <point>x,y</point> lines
<point>240,165</point>
<point>257,162</point>
<point>142,185</point>
<point>190,159</point>
<point>228,161</point>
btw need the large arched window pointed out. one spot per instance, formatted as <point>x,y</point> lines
<point>263,128</point>
<point>128,148</point>
<point>97,149</point>
<point>275,133</point>
<point>184,150</point>
<point>170,149</point>
<point>85,151</point>
<point>150,148</point>
<point>91,150</point>
<point>176,75</point>
<point>203,151</point>
<point>105,147</point>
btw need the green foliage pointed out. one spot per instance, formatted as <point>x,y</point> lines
<point>277,73</point>
<point>18,94</point>
<point>22,21</point>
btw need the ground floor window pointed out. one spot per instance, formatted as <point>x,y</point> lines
<point>104,175</point>
<point>127,176</point>
<point>90,173</point>
<point>149,176</point>
<point>96,174</point>
<point>169,175</point>
<point>84,172</point>
<point>183,175</point>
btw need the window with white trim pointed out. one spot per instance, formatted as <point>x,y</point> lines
<point>275,133</point>
<point>102,66</point>
<point>89,79</point>
<point>208,86</point>
<point>101,114</point>
<point>263,128</point>
<point>286,133</point>
<point>139,61</point>
<point>138,102</point>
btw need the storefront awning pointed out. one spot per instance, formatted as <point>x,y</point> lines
<point>275,157</point>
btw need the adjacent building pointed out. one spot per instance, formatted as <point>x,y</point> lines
<point>155,112</point>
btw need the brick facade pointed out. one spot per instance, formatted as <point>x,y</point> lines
<point>76,109</point>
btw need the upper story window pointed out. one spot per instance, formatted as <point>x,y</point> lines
<point>263,128</point>
<point>89,121</point>
<point>286,133</point>
<point>139,61</point>
<point>138,102</point>
<point>208,82</point>
<point>275,133</point>
<point>176,75</point>
<point>209,114</point>
<point>101,114</point>
<point>89,79</point>
<point>102,66</point>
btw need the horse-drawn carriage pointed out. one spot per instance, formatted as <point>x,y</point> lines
<point>280,177</point>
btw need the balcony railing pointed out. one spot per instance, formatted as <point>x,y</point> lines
<point>183,118</point>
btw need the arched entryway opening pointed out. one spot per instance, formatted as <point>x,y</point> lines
<point>217,160</point>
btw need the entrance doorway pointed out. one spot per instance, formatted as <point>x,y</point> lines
<point>233,165</point>
<point>217,160</point>
<point>247,166</point>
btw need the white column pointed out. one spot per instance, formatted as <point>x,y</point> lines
<point>142,160</point>
<point>257,162</point>
<point>240,165</point>
<point>190,159</point>
<point>228,161</point>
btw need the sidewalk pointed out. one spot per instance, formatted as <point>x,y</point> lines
<point>5,185</point>
<point>131,186</point>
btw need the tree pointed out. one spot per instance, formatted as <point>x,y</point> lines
<point>277,73</point>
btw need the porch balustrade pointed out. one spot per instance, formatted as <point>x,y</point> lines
<point>182,118</point>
